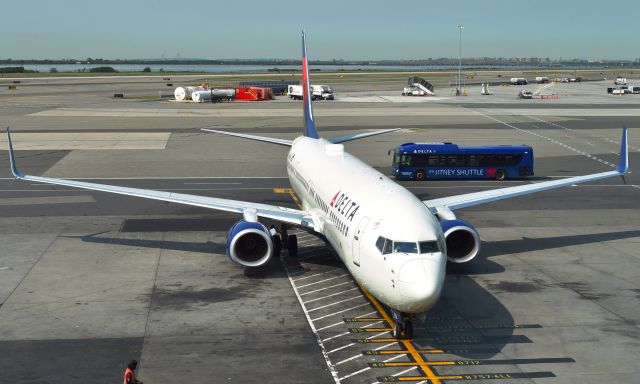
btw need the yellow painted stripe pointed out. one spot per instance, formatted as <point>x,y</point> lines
<point>358,330</point>
<point>431,376</point>
<point>401,352</point>
<point>363,319</point>
<point>290,192</point>
<point>421,378</point>
<point>411,363</point>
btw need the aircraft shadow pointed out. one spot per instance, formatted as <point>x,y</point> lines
<point>468,321</point>
<point>187,246</point>
<point>526,244</point>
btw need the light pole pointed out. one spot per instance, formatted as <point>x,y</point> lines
<point>458,90</point>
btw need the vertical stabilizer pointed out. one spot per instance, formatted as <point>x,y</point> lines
<point>309,124</point>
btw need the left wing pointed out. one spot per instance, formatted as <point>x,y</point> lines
<point>283,214</point>
<point>476,198</point>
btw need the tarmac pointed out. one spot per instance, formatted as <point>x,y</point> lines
<point>89,280</point>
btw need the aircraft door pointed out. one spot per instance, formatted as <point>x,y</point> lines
<point>357,238</point>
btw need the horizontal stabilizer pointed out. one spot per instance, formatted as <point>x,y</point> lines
<point>345,138</point>
<point>252,137</point>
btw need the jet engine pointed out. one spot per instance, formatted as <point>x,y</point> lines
<point>249,243</point>
<point>463,241</point>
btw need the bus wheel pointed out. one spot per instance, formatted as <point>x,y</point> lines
<point>419,175</point>
<point>501,174</point>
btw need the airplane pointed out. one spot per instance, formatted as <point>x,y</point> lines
<point>393,244</point>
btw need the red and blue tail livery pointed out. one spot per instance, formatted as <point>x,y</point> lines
<point>309,124</point>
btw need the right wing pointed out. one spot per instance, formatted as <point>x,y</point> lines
<point>345,138</point>
<point>283,214</point>
<point>476,198</point>
<point>252,137</point>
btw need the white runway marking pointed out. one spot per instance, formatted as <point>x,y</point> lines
<point>332,370</point>
<point>322,289</point>
<point>352,344</point>
<point>368,368</point>
<point>322,281</point>
<point>314,275</point>
<point>342,322</point>
<point>360,354</point>
<point>333,294</point>
<point>339,312</point>
<point>400,373</point>
<point>544,137</point>
<point>584,133</point>
<point>336,303</point>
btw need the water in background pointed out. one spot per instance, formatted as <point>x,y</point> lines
<point>239,68</point>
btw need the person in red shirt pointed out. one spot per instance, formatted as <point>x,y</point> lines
<point>130,374</point>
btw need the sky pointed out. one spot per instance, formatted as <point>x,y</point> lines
<point>336,29</point>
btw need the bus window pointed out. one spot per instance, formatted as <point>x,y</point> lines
<point>404,247</point>
<point>456,160</point>
<point>405,160</point>
<point>475,160</point>
<point>437,161</point>
<point>419,160</point>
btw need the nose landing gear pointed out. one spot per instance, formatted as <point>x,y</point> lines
<point>402,326</point>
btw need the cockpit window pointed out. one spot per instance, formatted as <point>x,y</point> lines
<point>404,247</point>
<point>388,247</point>
<point>429,247</point>
<point>380,243</point>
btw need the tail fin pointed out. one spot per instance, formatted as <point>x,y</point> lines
<point>623,162</point>
<point>309,124</point>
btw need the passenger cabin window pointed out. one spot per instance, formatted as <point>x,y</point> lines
<point>429,247</point>
<point>404,247</point>
<point>380,243</point>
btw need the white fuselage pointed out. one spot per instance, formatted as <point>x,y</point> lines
<point>353,205</point>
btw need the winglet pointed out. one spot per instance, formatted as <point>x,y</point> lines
<point>309,124</point>
<point>623,163</point>
<point>12,158</point>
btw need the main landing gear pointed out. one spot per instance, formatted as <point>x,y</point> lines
<point>290,242</point>
<point>402,326</point>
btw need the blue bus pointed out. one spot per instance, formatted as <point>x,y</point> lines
<point>420,161</point>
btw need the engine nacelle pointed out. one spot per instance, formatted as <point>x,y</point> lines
<point>463,241</point>
<point>249,243</point>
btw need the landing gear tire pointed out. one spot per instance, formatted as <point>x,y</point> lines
<point>277,245</point>
<point>402,329</point>
<point>408,329</point>
<point>292,245</point>
<point>501,174</point>
<point>397,330</point>
<point>420,175</point>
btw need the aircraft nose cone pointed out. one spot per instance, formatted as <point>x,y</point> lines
<point>420,283</point>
